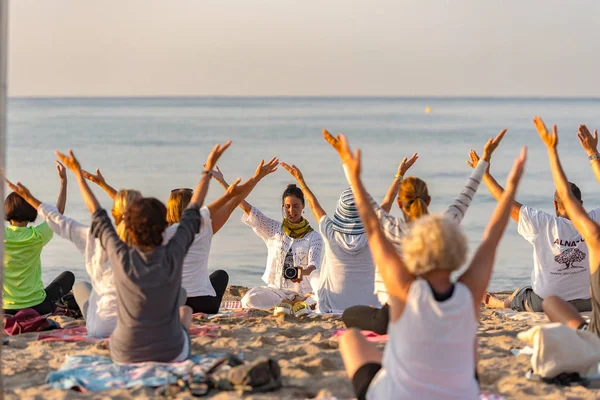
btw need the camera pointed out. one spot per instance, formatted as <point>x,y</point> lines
<point>290,272</point>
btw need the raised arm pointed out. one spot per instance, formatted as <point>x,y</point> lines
<point>590,145</point>
<point>99,180</point>
<point>220,215</point>
<point>587,227</point>
<point>22,191</point>
<point>61,202</point>
<point>392,192</point>
<point>493,186</point>
<point>316,208</point>
<point>478,274</point>
<point>395,276</point>
<point>218,175</point>
<point>202,187</point>
<point>88,196</point>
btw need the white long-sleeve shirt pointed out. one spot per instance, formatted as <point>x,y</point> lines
<point>306,251</point>
<point>102,306</point>
<point>396,228</point>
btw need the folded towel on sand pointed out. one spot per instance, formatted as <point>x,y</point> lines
<point>96,373</point>
<point>371,336</point>
<point>28,320</point>
<point>79,334</point>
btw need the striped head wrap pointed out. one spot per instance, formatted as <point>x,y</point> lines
<point>346,219</point>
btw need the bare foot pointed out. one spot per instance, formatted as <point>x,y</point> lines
<point>491,301</point>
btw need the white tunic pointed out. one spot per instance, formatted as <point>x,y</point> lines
<point>347,271</point>
<point>431,349</point>
<point>195,278</point>
<point>306,251</point>
<point>102,305</point>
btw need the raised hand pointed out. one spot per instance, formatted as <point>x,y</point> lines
<point>265,169</point>
<point>473,159</point>
<point>589,142</point>
<point>69,161</point>
<point>215,154</point>
<point>550,139</point>
<point>334,142</point>
<point>294,171</point>
<point>407,163</point>
<point>61,170</point>
<point>19,189</point>
<point>517,170</point>
<point>351,160</point>
<point>98,179</point>
<point>492,144</point>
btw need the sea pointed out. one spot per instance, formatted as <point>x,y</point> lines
<point>158,144</point>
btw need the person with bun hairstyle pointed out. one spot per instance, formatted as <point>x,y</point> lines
<point>292,244</point>
<point>413,200</point>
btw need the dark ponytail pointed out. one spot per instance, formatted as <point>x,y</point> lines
<point>292,190</point>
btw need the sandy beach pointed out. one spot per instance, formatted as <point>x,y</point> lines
<point>306,351</point>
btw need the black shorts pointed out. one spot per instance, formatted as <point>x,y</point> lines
<point>363,377</point>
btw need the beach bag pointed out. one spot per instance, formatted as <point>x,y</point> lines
<point>230,373</point>
<point>558,349</point>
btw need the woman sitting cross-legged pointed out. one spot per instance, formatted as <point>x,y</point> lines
<point>347,268</point>
<point>152,321</point>
<point>431,351</point>
<point>98,300</point>
<point>205,291</point>
<point>294,252</point>
<point>23,244</point>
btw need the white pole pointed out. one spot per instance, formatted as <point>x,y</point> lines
<point>3,67</point>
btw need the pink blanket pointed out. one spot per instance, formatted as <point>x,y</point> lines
<point>371,336</point>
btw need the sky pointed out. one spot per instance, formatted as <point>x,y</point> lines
<point>304,48</point>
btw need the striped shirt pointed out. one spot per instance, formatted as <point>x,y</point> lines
<point>395,228</point>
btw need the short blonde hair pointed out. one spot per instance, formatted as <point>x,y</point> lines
<point>122,199</point>
<point>434,243</point>
<point>178,201</point>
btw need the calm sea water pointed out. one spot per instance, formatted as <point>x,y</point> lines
<point>159,144</point>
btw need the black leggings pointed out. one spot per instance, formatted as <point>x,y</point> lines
<point>60,286</point>
<point>367,318</point>
<point>210,304</point>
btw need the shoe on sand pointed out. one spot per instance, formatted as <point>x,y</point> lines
<point>301,309</point>
<point>282,309</point>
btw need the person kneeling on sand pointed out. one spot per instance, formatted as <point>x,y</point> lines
<point>431,351</point>
<point>205,291</point>
<point>294,252</point>
<point>556,308</point>
<point>347,267</point>
<point>560,254</point>
<point>23,244</point>
<point>152,320</point>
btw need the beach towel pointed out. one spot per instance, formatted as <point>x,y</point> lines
<point>96,373</point>
<point>28,320</point>
<point>482,396</point>
<point>369,335</point>
<point>79,334</point>
<point>559,349</point>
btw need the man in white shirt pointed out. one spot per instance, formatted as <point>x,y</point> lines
<point>560,255</point>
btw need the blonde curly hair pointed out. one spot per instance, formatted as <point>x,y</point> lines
<point>434,243</point>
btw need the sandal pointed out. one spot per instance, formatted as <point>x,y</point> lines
<point>300,309</point>
<point>282,309</point>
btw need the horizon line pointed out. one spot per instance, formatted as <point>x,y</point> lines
<point>418,97</point>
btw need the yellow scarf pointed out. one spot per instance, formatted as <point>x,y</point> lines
<point>296,230</point>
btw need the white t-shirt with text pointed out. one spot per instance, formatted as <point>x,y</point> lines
<point>560,255</point>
